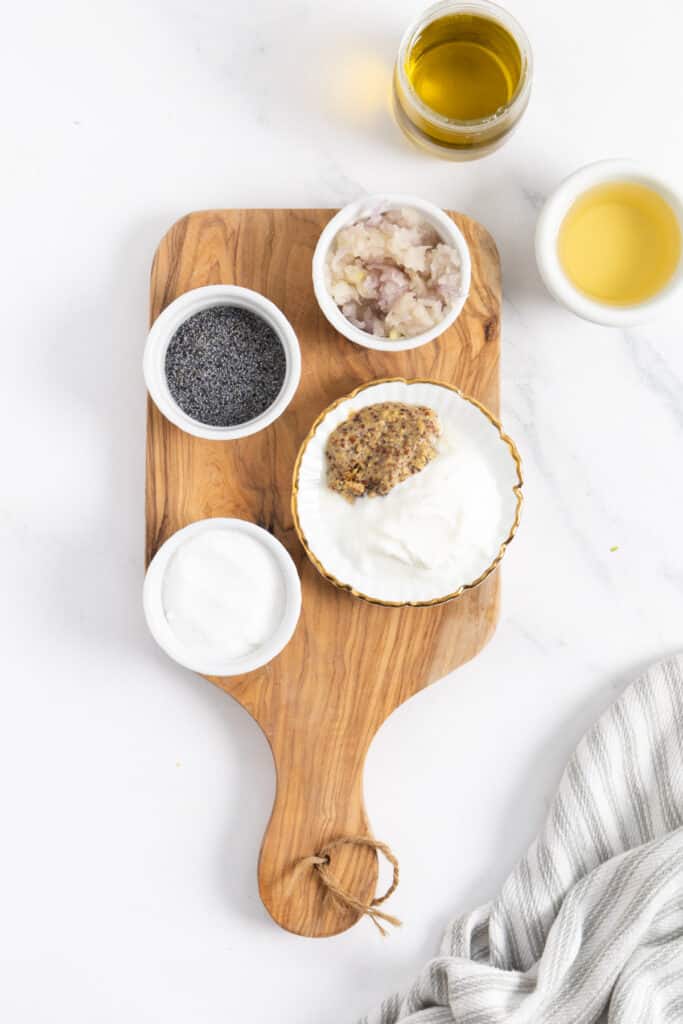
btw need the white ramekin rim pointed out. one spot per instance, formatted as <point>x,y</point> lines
<point>364,207</point>
<point>548,226</point>
<point>185,306</point>
<point>152,600</point>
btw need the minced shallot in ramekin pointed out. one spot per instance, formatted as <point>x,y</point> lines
<point>392,275</point>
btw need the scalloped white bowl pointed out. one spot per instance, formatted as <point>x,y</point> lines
<point>465,418</point>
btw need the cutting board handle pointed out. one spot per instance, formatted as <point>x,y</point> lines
<point>318,800</point>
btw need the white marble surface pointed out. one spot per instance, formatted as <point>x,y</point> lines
<point>134,796</point>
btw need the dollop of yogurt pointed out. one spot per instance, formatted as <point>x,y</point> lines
<point>223,593</point>
<point>444,519</point>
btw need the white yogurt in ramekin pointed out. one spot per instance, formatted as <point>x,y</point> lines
<point>222,596</point>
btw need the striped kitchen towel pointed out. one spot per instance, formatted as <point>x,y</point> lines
<point>589,926</point>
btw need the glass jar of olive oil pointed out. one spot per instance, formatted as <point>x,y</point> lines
<point>462,79</point>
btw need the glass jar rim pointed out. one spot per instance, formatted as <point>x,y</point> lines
<point>493,12</point>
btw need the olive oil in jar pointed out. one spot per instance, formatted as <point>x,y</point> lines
<point>462,78</point>
<point>464,67</point>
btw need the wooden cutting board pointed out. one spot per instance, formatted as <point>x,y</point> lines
<point>349,664</point>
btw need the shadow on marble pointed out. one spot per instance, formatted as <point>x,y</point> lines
<point>331,83</point>
<point>93,586</point>
<point>509,209</point>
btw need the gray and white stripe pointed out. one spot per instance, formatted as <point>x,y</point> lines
<point>589,926</point>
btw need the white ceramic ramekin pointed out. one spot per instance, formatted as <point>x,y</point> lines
<point>185,306</point>
<point>152,600</point>
<point>364,208</point>
<point>547,230</point>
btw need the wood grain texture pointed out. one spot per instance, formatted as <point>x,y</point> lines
<point>349,664</point>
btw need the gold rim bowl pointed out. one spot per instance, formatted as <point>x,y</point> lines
<point>350,588</point>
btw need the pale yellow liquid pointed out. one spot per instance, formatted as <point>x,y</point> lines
<point>620,243</point>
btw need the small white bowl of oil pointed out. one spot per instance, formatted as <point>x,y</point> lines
<point>608,243</point>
